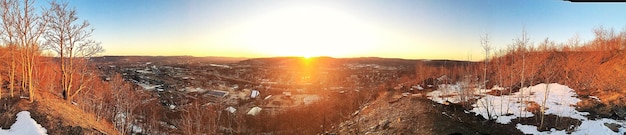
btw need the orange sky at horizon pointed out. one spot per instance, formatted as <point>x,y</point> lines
<point>343,29</point>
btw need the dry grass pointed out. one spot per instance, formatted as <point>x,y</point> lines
<point>69,114</point>
<point>533,107</point>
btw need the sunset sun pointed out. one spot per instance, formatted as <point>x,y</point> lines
<point>308,31</point>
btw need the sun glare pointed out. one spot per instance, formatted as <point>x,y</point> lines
<point>308,31</point>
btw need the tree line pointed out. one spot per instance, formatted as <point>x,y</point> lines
<point>592,68</point>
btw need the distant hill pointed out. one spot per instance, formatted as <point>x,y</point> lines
<point>325,61</point>
<point>360,60</point>
<point>165,59</point>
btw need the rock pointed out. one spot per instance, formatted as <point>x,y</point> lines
<point>384,124</point>
<point>620,112</point>
<point>613,126</point>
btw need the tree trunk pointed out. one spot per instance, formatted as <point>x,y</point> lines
<point>543,105</point>
<point>30,68</point>
<point>12,72</point>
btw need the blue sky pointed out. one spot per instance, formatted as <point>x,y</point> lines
<point>402,28</point>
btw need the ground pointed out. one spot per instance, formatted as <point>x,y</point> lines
<point>54,114</point>
<point>394,113</point>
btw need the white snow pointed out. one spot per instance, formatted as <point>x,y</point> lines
<point>588,127</point>
<point>191,89</point>
<point>218,65</point>
<point>148,86</point>
<point>24,125</point>
<point>454,93</point>
<point>597,127</point>
<point>560,101</point>
<point>418,87</point>
<point>136,129</point>
<point>530,129</point>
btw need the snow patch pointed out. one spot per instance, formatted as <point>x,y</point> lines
<point>24,125</point>
<point>136,129</point>
<point>149,86</point>
<point>218,65</point>
<point>454,93</point>
<point>190,89</point>
<point>588,127</point>
<point>559,100</point>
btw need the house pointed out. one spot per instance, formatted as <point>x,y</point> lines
<point>254,93</point>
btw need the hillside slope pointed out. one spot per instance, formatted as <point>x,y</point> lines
<point>55,115</point>
<point>394,113</point>
<point>590,73</point>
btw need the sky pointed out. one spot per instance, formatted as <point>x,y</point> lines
<point>408,29</point>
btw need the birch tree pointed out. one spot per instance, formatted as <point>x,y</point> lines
<point>547,75</point>
<point>522,43</point>
<point>8,38</point>
<point>71,40</point>
<point>22,29</point>
<point>484,42</point>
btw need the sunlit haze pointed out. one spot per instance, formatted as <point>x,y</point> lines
<point>395,29</point>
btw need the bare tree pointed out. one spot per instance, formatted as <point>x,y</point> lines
<point>522,43</point>
<point>22,28</point>
<point>484,42</point>
<point>1,82</point>
<point>499,71</point>
<point>125,102</point>
<point>201,119</point>
<point>622,39</point>
<point>71,41</point>
<point>3,54</point>
<point>547,75</point>
<point>8,38</point>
